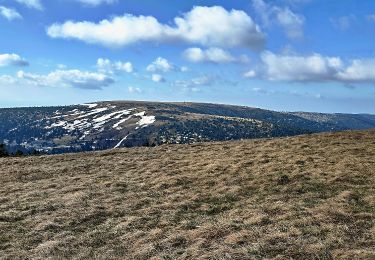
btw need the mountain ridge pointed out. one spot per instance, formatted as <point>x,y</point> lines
<point>113,124</point>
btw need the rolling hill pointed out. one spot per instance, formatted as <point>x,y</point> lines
<point>303,197</point>
<point>114,124</point>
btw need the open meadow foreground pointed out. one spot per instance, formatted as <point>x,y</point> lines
<point>304,197</point>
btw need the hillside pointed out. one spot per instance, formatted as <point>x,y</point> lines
<point>304,197</point>
<point>106,125</point>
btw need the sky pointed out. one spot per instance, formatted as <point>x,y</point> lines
<point>284,55</point>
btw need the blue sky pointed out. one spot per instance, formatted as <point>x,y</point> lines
<point>289,55</point>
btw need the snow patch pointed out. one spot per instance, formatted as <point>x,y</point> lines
<point>120,143</point>
<point>85,122</point>
<point>145,120</point>
<point>109,116</point>
<point>94,112</point>
<point>57,124</point>
<point>90,105</point>
<point>117,125</point>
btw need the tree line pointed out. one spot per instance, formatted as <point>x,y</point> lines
<point>4,152</point>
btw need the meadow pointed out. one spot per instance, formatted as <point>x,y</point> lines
<point>303,197</point>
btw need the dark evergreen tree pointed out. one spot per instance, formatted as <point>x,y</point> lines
<point>3,151</point>
<point>19,153</point>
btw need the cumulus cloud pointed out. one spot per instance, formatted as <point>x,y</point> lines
<point>358,71</point>
<point>213,55</point>
<point>133,90</point>
<point>107,66</point>
<point>9,13</point>
<point>157,78</point>
<point>291,22</point>
<point>208,26</point>
<point>299,68</point>
<point>12,60</point>
<point>68,78</point>
<point>161,65</point>
<point>35,4</point>
<point>250,74</point>
<point>317,68</point>
<point>97,2</point>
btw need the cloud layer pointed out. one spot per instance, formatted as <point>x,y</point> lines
<point>207,26</point>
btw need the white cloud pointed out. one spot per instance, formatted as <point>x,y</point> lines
<point>291,22</point>
<point>12,60</point>
<point>317,68</point>
<point>195,83</point>
<point>107,66</point>
<point>97,2</point>
<point>268,92</point>
<point>300,68</point>
<point>263,91</point>
<point>161,64</point>
<point>344,22</point>
<point>134,90</point>
<point>9,13</point>
<point>250,74</point>
<point>6,79</point>
<point>61,66</point>
<point>157,78</point>
<point>205,80</point>
<point>359,71</point>
<point>184,69</point>
<point>215,26</point>
<point>214,55</point>
<point>371,17</point>
<point>208,26</point>
<point>68,78</point>
<point>36,4</point>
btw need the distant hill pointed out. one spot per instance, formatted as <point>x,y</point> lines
<point>106,125</point>
<point>304,197</point>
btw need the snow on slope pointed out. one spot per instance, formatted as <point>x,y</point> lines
<point>120,143</point>
<point>92,119</point>
<point>92,105</point>
<point>145,120</point>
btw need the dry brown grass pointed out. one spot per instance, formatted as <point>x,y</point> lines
<point>307,197</point>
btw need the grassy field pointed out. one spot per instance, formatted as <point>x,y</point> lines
<point>305,197</point>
